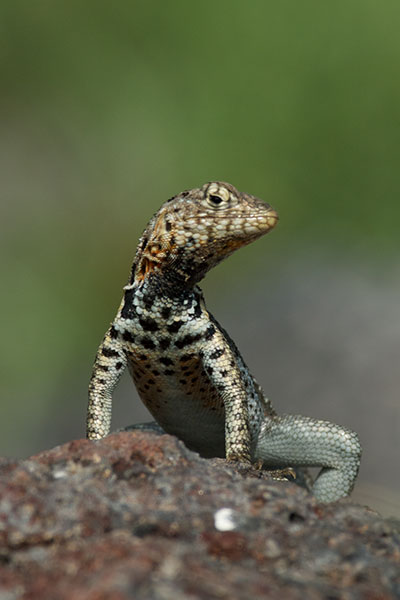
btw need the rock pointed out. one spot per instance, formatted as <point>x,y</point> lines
<point>137,515</point>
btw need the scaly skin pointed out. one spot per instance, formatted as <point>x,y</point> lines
<point>186,368</point>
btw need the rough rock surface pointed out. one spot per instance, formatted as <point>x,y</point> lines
<point>137,515</point>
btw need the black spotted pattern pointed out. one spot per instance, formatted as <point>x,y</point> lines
<point>113,332</point>
<point>165,360</point>
<point>164,343</point>
<point>147,342</point>
<point>166,312</point>
<point>187,340</point>
<point>148,324</point>
<point>109,352</point>
<point>129,310</point>
<point>217,353</point>
<point>210,332</point>
<point>175,326</point>
<point>128,337</point>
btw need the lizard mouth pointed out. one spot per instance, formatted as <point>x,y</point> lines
<point>272,218</point>
<point>267,220</point>
<point>253,227</point>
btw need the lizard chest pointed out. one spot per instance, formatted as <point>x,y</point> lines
<point>184,368</point>
<point>166,364</point>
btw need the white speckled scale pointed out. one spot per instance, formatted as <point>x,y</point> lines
<point>186,368</point>
<point>294,440</point>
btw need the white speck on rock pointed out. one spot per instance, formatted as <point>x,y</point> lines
<point>59,474</point>
<point>224,519</point>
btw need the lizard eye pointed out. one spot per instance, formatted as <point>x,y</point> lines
<point>214,199</point>
<point>218,196</point>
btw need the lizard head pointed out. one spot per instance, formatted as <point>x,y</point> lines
<point>195,230</point>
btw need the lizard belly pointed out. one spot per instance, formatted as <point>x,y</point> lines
<point>193,413</point>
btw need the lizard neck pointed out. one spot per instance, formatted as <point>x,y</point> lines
<point>161,296</point>
<point>174,274</point>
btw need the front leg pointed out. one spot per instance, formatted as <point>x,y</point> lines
<point>109,364</point>
<point>294,440</point>
<point>225,378</point>
<point>237,431</point>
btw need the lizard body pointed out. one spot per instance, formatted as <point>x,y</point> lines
<point>187,370</point>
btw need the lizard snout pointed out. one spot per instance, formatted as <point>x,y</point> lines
<point>271,218</point>
<point>268,219</point>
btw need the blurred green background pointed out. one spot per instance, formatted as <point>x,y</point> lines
<point>108,109</point>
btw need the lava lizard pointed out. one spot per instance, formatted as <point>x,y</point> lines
<point>187,370</point>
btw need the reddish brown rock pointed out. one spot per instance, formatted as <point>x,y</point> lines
<point>137,515</point>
